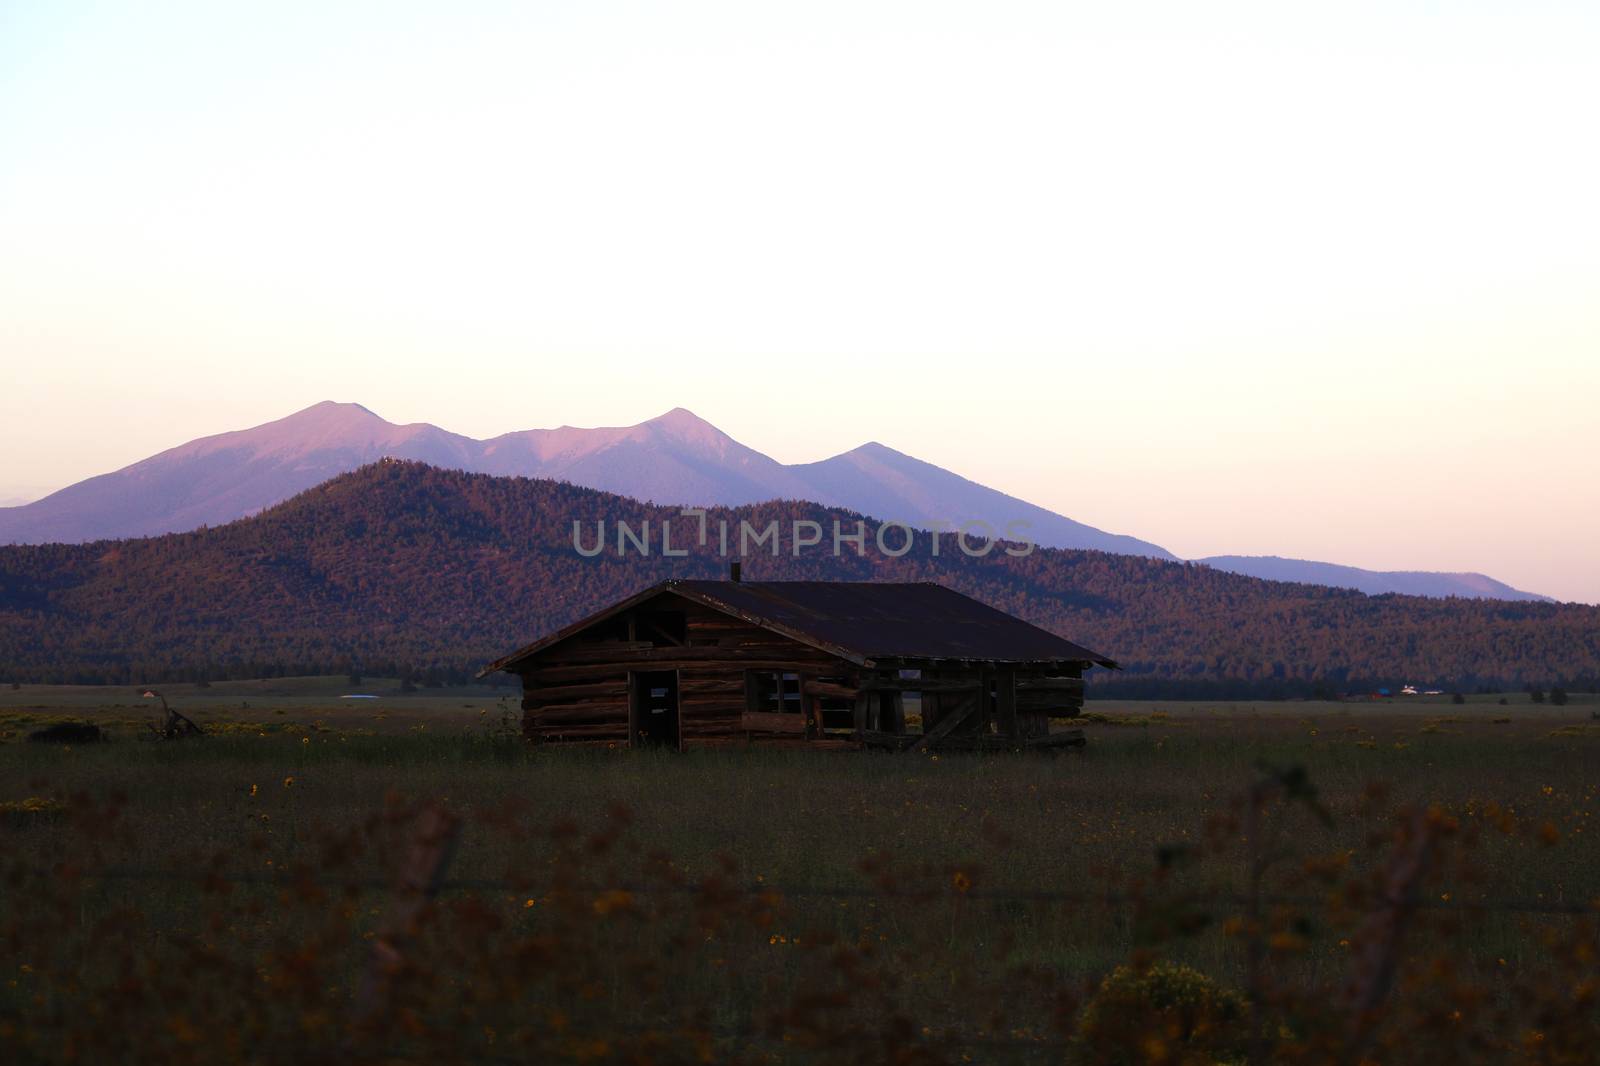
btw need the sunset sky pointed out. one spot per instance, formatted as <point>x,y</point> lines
<point>1233,278</point>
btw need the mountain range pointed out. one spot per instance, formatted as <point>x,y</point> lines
<point>1372,582</point>
<point>401,568</point>
<point>677,458</point>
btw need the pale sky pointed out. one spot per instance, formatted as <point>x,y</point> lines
<point>1243,278</point>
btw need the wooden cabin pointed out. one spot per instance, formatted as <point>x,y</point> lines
<point>815,663</point>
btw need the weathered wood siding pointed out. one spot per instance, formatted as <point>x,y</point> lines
<point>1041,697</point>
<point>578,690</point>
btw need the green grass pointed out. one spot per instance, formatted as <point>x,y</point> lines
<point>278,791</point>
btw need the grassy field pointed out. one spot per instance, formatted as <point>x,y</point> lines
<point>219,898</point>
<point>278,703</point>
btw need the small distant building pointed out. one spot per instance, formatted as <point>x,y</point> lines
<point>802,663</point>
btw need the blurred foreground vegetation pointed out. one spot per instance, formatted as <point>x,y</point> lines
<point>1200,885</point>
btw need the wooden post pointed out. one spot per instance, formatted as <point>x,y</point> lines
<point>434,834</point>
<point>932,708</point>
<point>1006,707</point>
<point>808,708</point>
<point>633,710</point>
<point>752,691</point>
<point>1376,954</point>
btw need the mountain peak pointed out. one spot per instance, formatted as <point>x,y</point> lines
<point>680,418</point>
<point>876,449</point>
<point>327,418</point>
<point>684,424</point>
<point>877,455</point>
<point>322,425</point>
<point>678,414</point>
<point>328,409</point>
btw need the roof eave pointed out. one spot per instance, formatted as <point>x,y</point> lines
<point>507,661</point>
<point>672,586</point>
<point>1079,660</point>
<point>707,599</point>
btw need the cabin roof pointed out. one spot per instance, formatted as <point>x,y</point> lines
<point>862,621</point>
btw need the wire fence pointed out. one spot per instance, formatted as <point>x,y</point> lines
<point>583,956</point>
<point>520,888</point>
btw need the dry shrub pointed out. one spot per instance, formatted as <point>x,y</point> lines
<point>1163,1013</point>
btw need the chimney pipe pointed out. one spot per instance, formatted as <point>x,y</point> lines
<point>733,572</point>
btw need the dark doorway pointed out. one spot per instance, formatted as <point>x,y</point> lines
<point>655,708</point>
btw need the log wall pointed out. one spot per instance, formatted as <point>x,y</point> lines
<point>578,690</point>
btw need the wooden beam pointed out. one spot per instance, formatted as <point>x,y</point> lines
<point>568,693</point>
<point>668,659</point>
<point>913,684</point>
<point>554,713</point>
<point>709,686</point>
<point>832,691</point>
<point>771,722</point>
<point>1068,685</point>
<point>946,726</point>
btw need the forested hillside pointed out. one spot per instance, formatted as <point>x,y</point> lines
<point>400,567</point>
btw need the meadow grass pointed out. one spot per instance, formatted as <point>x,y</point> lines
<point>930,868</point>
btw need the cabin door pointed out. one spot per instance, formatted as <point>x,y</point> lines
<point>654,712</point>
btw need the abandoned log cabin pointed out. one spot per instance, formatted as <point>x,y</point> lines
<point>816,663</point>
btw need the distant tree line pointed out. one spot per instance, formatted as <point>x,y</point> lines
<point>403,570</point>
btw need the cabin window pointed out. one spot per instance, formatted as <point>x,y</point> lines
<point>664,628</point>
<point>612,629</point>
<point>772,691</point>
<point>658,628</point>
